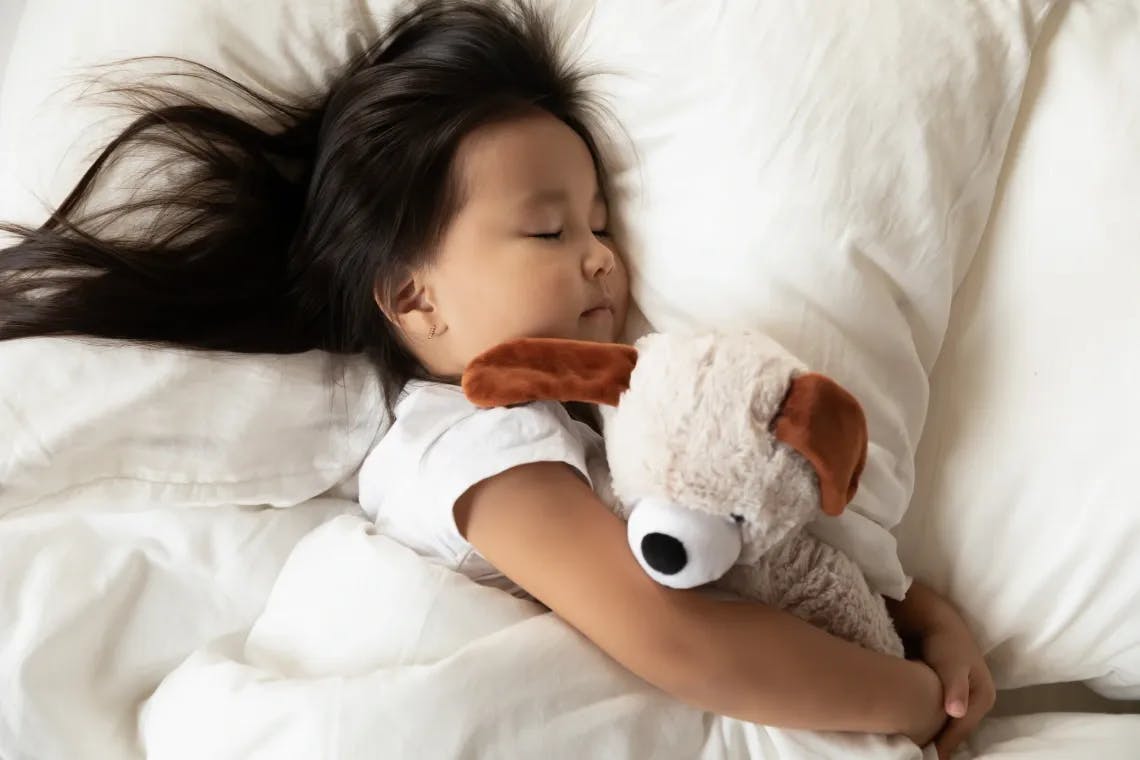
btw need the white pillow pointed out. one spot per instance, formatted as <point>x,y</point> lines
<point>10,14</point>
<point>1026,509</point>
<point>82,422</point>
<point>823,172</point>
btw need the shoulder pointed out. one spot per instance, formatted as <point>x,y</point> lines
<point>431,414</point>
<point>442,442</point>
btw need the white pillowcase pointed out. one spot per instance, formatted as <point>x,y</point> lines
<point>821,171</point>
<point>83,422</point>
<point>1027,512</point>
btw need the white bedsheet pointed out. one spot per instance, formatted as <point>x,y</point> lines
<point>1057,736</point>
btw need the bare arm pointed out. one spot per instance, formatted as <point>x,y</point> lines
<point>921,610</point>
<point>544,528</point>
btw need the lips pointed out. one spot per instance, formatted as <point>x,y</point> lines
<point>605,305</point>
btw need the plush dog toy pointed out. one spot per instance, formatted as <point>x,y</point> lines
<point>721,448</point>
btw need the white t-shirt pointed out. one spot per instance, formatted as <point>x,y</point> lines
<point>439,446</point>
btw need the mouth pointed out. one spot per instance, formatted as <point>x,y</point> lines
<point>601,308</point>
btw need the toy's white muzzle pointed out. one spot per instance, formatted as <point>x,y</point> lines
<point>681,547</point>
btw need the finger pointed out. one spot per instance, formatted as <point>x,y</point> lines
<point>984,693</point>
<point>956,692</point>
<point>957,730</point>
<point>947,741</point>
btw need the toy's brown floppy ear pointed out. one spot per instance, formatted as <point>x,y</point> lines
<point>549,369</point>
<point>825,424</point>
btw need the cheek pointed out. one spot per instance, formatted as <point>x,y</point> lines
<point>620,292</point>
<point>551,294</point>
<point>510,296</point>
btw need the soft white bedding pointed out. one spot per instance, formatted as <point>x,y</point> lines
<point>147,429</point>
<point>135,523</point>
<point>141,571</point>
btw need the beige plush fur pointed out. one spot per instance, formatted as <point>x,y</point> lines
<point>695,429</point>
<point>733,427</point>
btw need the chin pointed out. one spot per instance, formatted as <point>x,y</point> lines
<point>596,333</point>
<point>597,327</point>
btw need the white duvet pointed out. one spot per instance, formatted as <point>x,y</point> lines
<point>363,650</point>
<point>391,664</point>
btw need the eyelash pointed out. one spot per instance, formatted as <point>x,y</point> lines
<point>558,235</point>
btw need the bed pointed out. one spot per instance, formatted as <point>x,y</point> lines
<point>934,203</point>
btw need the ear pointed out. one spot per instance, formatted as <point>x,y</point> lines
<point>549,369</point>
<point>825,424</point>
<point>410,308</point>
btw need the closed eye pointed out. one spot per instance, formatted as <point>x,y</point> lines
<point>558,235</point>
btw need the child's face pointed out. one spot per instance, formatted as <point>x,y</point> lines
<point>528,254</point>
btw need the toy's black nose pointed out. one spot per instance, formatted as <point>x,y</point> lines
<point>664,553</point>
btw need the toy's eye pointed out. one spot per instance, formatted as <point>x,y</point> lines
<point>738,518</point>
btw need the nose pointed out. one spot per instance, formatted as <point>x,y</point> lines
<point>664,553</point>
<point>599,260</point>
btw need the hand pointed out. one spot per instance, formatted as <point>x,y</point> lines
<point>967,687</point>
<point>946,645</point>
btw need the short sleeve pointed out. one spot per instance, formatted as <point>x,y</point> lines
<point>439,447</point>
<point>490,442</point>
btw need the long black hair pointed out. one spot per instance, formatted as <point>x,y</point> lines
<point>273,232</point>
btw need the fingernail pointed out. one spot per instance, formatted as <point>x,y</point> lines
<point>956,709</point>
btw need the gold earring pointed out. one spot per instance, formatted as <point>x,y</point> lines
<point>432,333</point>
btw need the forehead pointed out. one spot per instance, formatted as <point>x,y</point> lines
<point>531,153</point>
